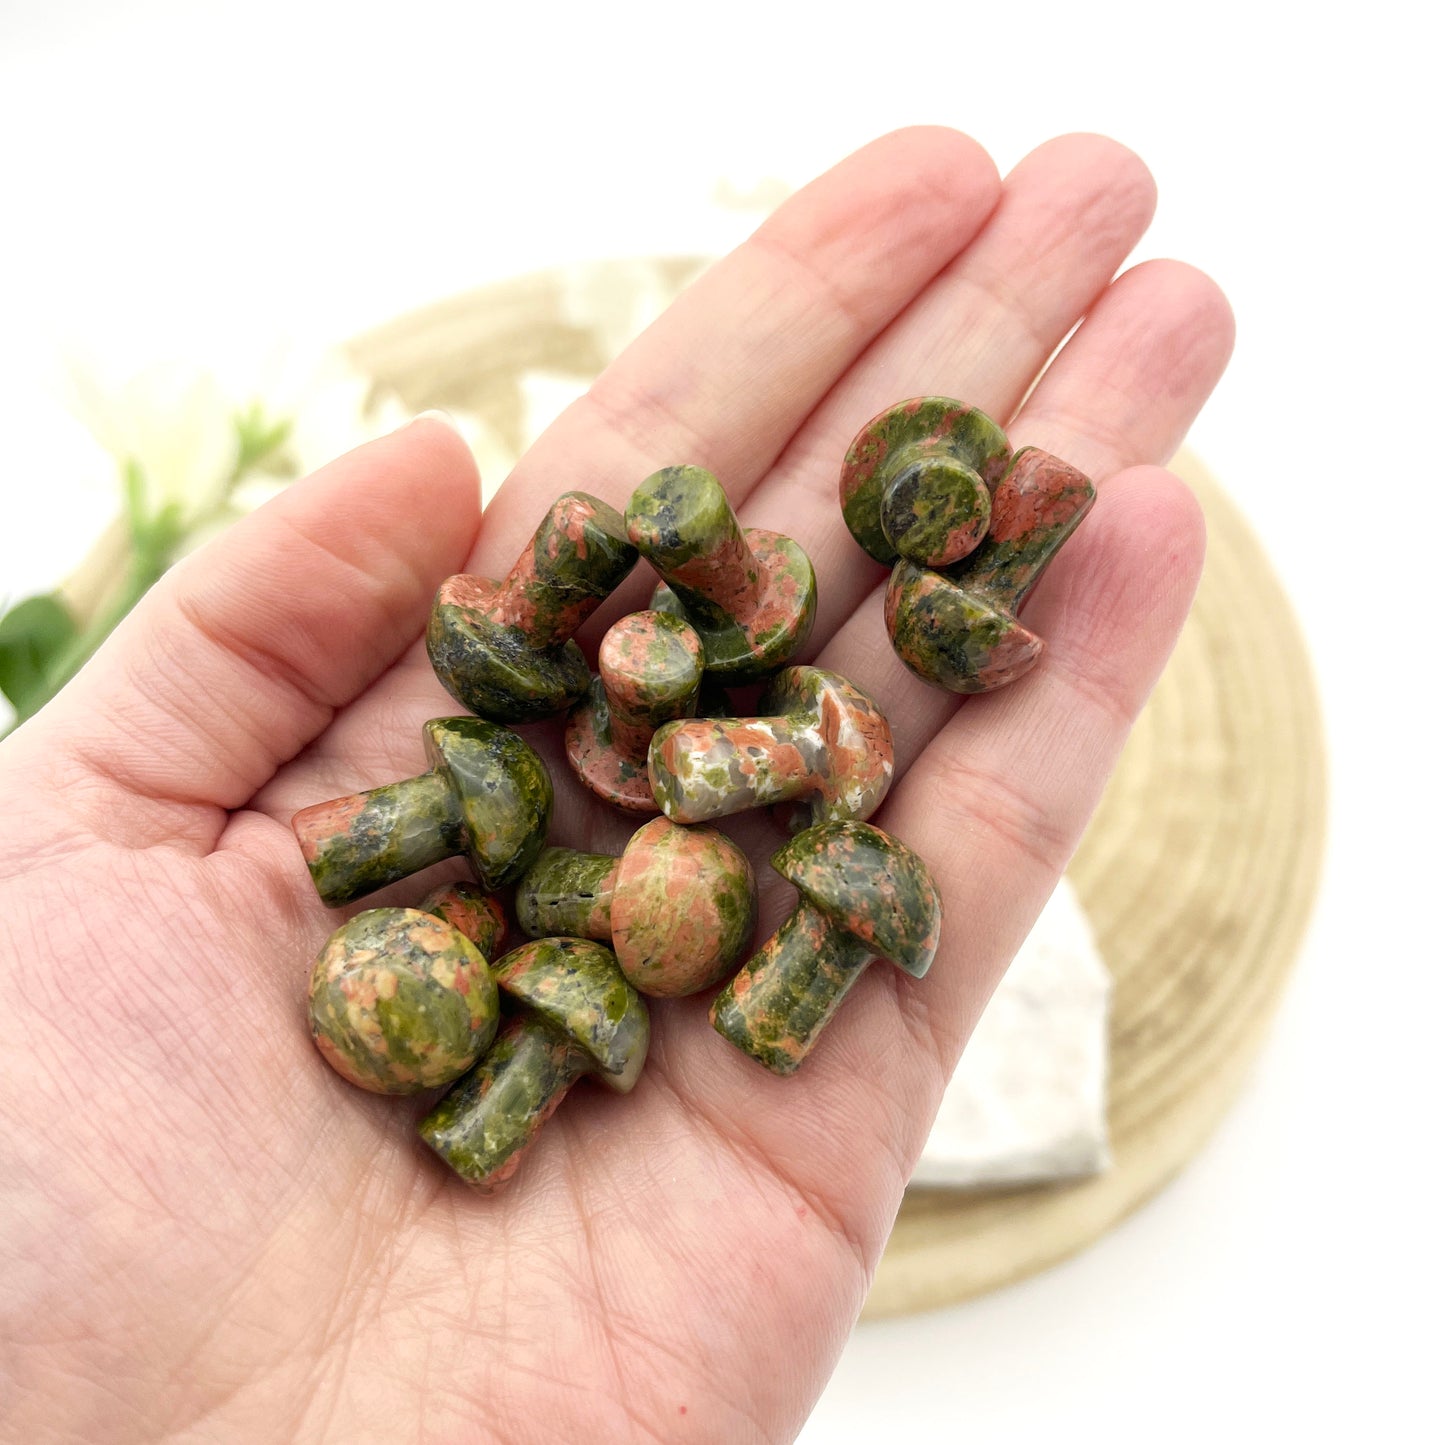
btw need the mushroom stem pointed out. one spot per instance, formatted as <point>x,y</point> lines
<point>631,733</point>
<point>917,454</point>
<point>490,1117</point>
<point>1036,508</point>
<point>778,1004</point>
<point>651,668</point>
<point>681,521</point>
<point>710,767</point>
<point>935,507</point>
<point>922,473</point>
<point>362,842</point>
<point>561,579</point>
<point>568,894</point>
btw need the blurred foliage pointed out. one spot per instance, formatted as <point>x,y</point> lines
<point>43,645</point>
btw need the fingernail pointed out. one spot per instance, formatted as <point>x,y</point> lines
<point>435,413</point>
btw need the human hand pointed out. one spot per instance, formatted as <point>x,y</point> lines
<point>206,1232</point>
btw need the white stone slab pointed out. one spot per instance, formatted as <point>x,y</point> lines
<point>1028,1102</point>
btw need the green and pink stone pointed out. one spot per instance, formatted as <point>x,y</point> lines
<point>401,998</point>
<point>678,907</point>
<point>958,627</point>
<point>504,649</point>
<point>750,594</point>
<point>487,795</point>
<point>650,670</point>
<point>918,481</point>
<point>824,747</point>
<point>862,895</point>
<point>575,1014</point>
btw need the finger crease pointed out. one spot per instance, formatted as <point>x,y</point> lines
<point>1002,808</point>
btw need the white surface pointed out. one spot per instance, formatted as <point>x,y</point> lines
<point>199,175</point>
<point>1028,1101</point>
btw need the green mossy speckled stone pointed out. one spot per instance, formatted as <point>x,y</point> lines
<point>936,512</point>
<point>488,795</point>
<point>504,649</point>
<point>917,479</point>
<point>401,1001</point>
<point>477,915</point>
<point>678,907</point>
<point>751,595</point>
<point>824,745</point>
<point>958,628</point>
<point>576,1015</point>
<point>862,895</point>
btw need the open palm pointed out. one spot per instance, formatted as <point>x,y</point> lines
<point>205,1232</point>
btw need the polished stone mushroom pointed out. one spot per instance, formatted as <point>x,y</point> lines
<point>578,1015</point>
<point>958,628</point>
<point>750,594</point>
<point>401,999</point>
<point>678,906</point>
<point>487,795</point>
<point>917,481</point>
<point>862,895</point>
<point>470,911</point>
<point>650,669</point>
<point>504,649</point>
<point>825,744</point>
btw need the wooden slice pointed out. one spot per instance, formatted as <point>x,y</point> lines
<point>1197,873</point>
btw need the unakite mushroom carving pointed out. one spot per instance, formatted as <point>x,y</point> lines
<point>470,911</point>
<point>401,999</point>
<point>487,795</point>
<point>578,1015</point>
<point>959,628</point>
<point>862,895</point>
<point>504,649</point>
<point>917,481</point>
<point>650,668</point>
<point>750,594</point>
<point>678,906</point>
<point>824,745</point>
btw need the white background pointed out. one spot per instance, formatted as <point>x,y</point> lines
<point>186,177</point>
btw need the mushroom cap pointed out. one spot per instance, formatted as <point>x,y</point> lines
<point>752,614</point>
<point>954,635</point>
<point>577,987</point>
<point>401,1001</point>
<point>474,914</point>
<point>683,908</point>
<point>492,667</point>
<point>503,792</point>
<point>503,649</point>
<point>871,885</point>
<point>924,422</point>
<point>854,756</point>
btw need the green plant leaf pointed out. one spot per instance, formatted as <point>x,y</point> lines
<point>32,634</point>
<point>259,439</point>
